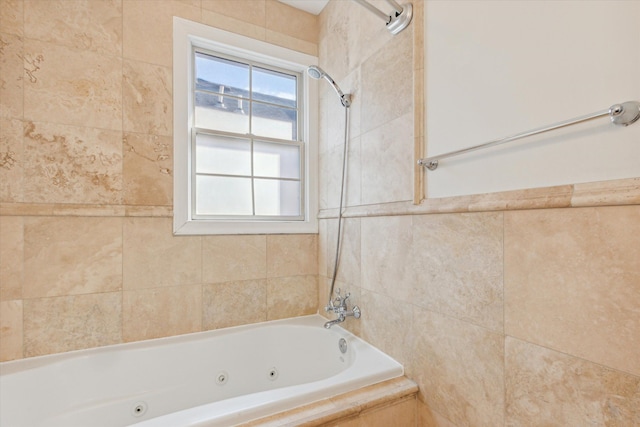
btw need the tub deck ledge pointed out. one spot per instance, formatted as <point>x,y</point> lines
<point>344,406</point>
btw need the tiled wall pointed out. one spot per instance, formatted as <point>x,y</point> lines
<point>87,256</point>
<point>515,317</point>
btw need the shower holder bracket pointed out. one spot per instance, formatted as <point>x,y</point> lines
<point>401,20</point>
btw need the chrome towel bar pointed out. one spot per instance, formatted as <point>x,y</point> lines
<point>621,114</point>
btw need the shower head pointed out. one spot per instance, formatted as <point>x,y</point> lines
<point>316,72</point>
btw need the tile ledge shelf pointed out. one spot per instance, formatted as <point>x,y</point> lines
<point>601,193</point>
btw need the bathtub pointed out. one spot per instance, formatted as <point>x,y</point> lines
<point>216,378</point>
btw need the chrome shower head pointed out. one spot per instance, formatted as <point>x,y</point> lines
<point>316,72</point>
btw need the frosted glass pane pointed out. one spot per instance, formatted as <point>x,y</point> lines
<point>219,112</point>
<point>274,122</point>
<point>275,197</point>
<point>218,195</point>
<point>222,155</point>
<point>274,87</point>
<point>276,160</point>
<point>221,75</point>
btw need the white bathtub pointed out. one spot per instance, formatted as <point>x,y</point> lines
<point>216,378</point>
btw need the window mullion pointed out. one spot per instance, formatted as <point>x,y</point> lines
<point>253,186</point>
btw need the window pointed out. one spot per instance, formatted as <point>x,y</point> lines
<point>245,152</point>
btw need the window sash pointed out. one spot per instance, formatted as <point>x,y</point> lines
<point>295,141</point>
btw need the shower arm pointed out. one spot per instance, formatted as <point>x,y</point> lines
<point>395,22</point>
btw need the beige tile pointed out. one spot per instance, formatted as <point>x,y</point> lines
<point>147,98</point>
<point>279,39</point>
<point>11,76</point>
<point>12,16</point>
<point>371,33</point>
<point>386,155</point>
<point>69,86</point>
<point>291,296</point>
<point>333,178</point>
<point>249,11</point>
<point>459,259</point>
<point>459,368</point>
<point>553,388</point>
<point>349,259</point>
<point>162,312</point>
<point>148,28</point>
<point>94,25</point>
<point>397,414</point>
<point>429,418</point>
<point>70,256</point>
<point>11,160</point>
<point>153,257</point>
<point>613,192</point>
<point>338,43</point>
<point>147,169</point>
<point>394,332</point>
<point>54,325</point>
<point>292,22</point>
<point>386,253</point>
<point>232,258</point>
<point>10,330</point>
<point>11,256</point>
<point>233,25</point>
<point>571,282</point>
<point>387,91</point>
<point>234,303</point>
<point>69,164</point>
<point>291,255</point>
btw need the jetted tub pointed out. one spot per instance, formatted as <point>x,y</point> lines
<point>215,378</point>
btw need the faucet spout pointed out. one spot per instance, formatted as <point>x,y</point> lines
<point>330,323</point>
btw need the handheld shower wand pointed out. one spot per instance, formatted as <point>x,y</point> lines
<point>318,73</point>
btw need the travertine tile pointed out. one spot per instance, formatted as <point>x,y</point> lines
<point>291,255</point>
<point>386,157</point>
<point>249,11</point>
<point>394,332</point>
<point>148,28</point>
<point>11,76</point>
<point>12,16</point>
<point>572,282</point>
<point>147,98</point>
<point>153,257</point>
<point>11,256</point>
<point>338,43</point>
<point>228,23</point>
<point>54,325</point>
<point>459,368</point>
<point>349,260</point>
<point>11,160</point>
<point>93,25</point>
<point>290,21</point>
<point>232,258</point>
<point>545,388</point>
<point>69,86</point>
<point>291,296</point>
<point>459,259</point>
<point>614,192</point>
<point>386,252</point>
<point>147,169</point>
<point>427,417</point>
<point>279,39</point>
<point>234,303</point>
<point>333,177</point>
<point>69,164</point>
<point>387,91</point>
<point>161,312</point>
<point>70,256</point>
<point>10,330</point>
<point>402,413</point>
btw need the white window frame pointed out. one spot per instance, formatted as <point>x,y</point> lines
<point>186,36</point>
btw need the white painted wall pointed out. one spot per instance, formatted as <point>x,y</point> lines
<point>496,68</point>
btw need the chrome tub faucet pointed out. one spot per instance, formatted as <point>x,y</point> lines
<point>338,305</point>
